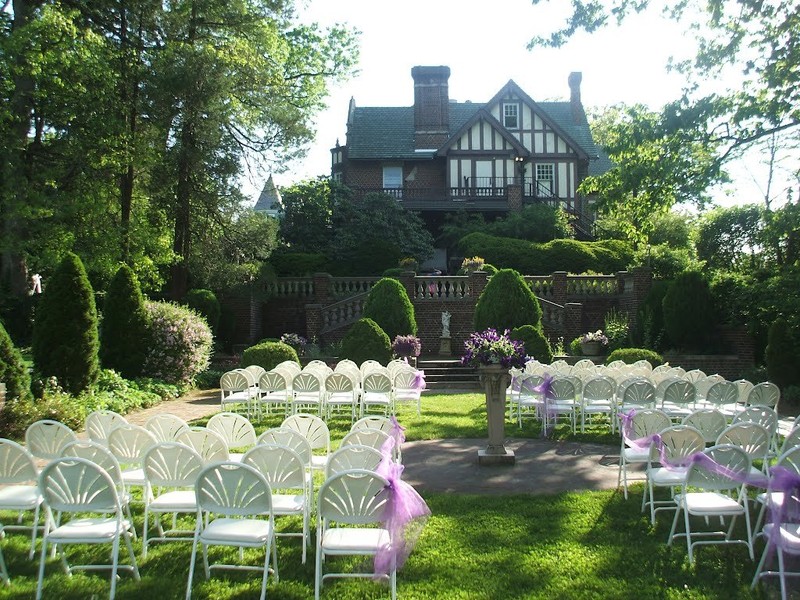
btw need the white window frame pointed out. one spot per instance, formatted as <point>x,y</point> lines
<point>393,180</point>
<point>545,174</point>
<point>507,115</point>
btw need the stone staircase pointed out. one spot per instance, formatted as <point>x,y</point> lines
<point>445,374</point>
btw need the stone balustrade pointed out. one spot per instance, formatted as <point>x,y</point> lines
<point>441,288</point>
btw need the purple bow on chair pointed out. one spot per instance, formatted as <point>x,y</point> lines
<point>419,380</point>
<point>546,390</point>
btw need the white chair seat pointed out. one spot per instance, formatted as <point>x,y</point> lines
<point>236,532</point>
<point>134,477</point>
<point>789,536</point>
<point>318,461</point>
<point>774,499</point>
<point>175,501</point>
<point>713,503</point>
<point>636,454</point>
<point>285,504</point>
<point>19,497</point>
<point>88,530</point>
<point>354,540</point>
<point>667,477</point>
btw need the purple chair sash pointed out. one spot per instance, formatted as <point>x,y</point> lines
<point>546,390</point>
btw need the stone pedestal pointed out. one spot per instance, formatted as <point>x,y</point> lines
<point>445,349</point>
<point>495,380</point>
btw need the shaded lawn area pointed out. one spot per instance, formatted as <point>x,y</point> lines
<point>593,545</point>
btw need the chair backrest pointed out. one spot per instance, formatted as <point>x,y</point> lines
<point>646,422</point>
<point>98,454</point>
<point>233,381</point>
<point>233,489</point>
<point>661,368</point>
<point>355,497</point>
<point>248,375</point>
<point>679,392</point>
<point>374,438</point>
<point>563,388</point>
<point>792,440</point>
<point>763,415</point>
<point>616,364</point>
<point>528,382</point>
<point>353,456</point>
<point>351,371</point>
<point>280,436</point>
<point>377,383</point>
<point>16,463</point>
<point>71,484</point>
<point>283,467</point>
<point>310,427</point>
<point>585,363</point>
<point>306,382</point>
<point>129,443</point>
<point>345,363</point>
<point>722,393</point>
<point>46,438</point>
<point>290,367</point>
<point>339,383</point>
<point>744,386</point>
<point>367,366</point>
<point>165,426</point>
<point>274,381</point>
<point>406,380</point>
<point>99,424</point>
<point>235,429</point>
<point>753,438</point>
<point>172,464</point>
<point>694,375</point>
<point>790,459</point>
<point>731,457</point>
<point>208,444</point>
<point>598,388</point>
<point>639,392</point>
<point>373,422</point>
<point>708,421</point>
<point>256,371</point>
<point>678,443</point>
<point>764,394</point>
<point>643,364</point>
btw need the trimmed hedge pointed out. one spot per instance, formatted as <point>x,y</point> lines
<point>65,334</point>
<point>123,334</point>
<point>688,308</point>
<point>780,355</point>
<point>507,302</point>
<point>631,355</point>
<point>12,369</point>
<point>390,307</point>
<point>536,344</point>
<point>206,304</point>
<point>298,263</point>
<point>268,355</point>
<point>366,341</point>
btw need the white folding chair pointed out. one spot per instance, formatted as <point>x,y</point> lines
<point>236,430</point>
<point>764,394</point>
<point>374,438</point>
<point>679,399</point>
<point>373,422</point>
<point>724,396</point>
<point>753,438</point>
<point>763,415</point>
<point>644,423</point>
<point>377,393</point>
<point>240,500</point>
<point>340,393</point>
<point>72,485</point>
<point>208,444</point>
<point>353,456</point>
<point>46,438</point>
<point>597,398</point>
<point>316,432</point>
<point>18,487</point>
<point>171,469</point>
<point>275,390</point>
<point>128,443</point>
<point>165,427</point>
<point>708,421</point>
<point>308,392</point>
<point>406,388</point>
<point>348,503</point>
<point>529,402</point>
<point>285,471</point>
<point>709,494</point>
<point>235,390</point>
<point>99,424</point>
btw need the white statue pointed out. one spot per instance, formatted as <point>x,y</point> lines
<point>36,283</point>
<point>446,324</point>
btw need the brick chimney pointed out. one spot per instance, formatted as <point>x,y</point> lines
<point>574,81</point>
<point>431,106</point>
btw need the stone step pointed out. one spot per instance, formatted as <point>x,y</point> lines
<point>447,373</point>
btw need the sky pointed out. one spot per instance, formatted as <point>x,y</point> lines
<point>484,44</point>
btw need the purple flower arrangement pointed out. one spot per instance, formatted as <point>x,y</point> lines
<point>595,336</point>
<point>406,346</point>
<point>298,342</point>
<point>491,348</point>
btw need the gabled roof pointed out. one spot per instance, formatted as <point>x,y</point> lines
<point>386,133</point>
<point>484,115</point>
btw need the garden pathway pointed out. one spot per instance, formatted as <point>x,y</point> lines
<point>542,466</point>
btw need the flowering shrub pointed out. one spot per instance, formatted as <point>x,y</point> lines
<point>298,342</point>
<point>596,336</point>
<point>491,348</point>
<point>406,345</point>
<point>180,343</point>
<point>470,264</point>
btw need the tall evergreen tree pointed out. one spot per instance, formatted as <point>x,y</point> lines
<point>65,338</point>
<point>124,329</point>
<point>12,369</point>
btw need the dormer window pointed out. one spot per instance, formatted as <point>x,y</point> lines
<point>511,116</point>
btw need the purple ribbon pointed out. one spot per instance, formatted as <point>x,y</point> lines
<point>396,433</point>
<point>546,390</point>
<point>419,380</point>
<point>404,516</point>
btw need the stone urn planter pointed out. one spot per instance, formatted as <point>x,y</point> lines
<point>591,348</point>
<point>495,379</point>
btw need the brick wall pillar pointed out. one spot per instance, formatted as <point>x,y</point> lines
<point>477,281</point>
<point>322,288</point>
<point>559,287</point>
<point>407,279</point>
<point>514,191</point>
<point>573,321</point>
<point>313,321</point>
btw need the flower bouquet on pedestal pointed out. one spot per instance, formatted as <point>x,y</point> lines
<point>593,343</point>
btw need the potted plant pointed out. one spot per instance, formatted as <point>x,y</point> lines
<point>593,343</point>
<point>494,354</point>
<point>407,347</point>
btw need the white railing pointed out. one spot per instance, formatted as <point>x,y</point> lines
<point>342,287</point>
<point>441,288</point>
<point>286,287</point>
<point>592,285</point>
<point>542,286</point>
<point>343,312</point>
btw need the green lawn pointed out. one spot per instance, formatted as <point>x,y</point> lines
<point>571,545</point>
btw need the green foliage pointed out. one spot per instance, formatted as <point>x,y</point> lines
<point>536,344</point>
<point>616,329</point>
<point>727,238</point>
<point>688,307</point>
<point>649,332</point>
<point>180,343</point>
<point>507,302</point>
<point>631,355</point>
<point>390,307</point>
<point>123,335</point>
<point>365,340</point>
<point>575,347</point>
<point>65,338</point>
<point>734,297</point>
<point>369,256</point>
<point>205,303</point>
<point>13,371</point>
<point>783,366</point>
<point>666,262</point>
<point>306,215</point>
<point>268,355</point>
<point>569,255</point>
<point>490,269</point>
<point>298,264</point>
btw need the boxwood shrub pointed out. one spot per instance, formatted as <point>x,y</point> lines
<point>268,355</point>
<point>365,340</point>
<point>536,344</point>
<point>631,355</point>
<point>390,307</point>
<point>205,303</point>
<point>507,302</point>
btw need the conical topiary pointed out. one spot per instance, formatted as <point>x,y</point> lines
<point>366,341</point>
<point>12,369</point>
<point>780,355</point>
<point>123,335</point>
<point>688,308</point>
<point>390,307</point>
<point>507,302</point>
<point>65,339</point>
